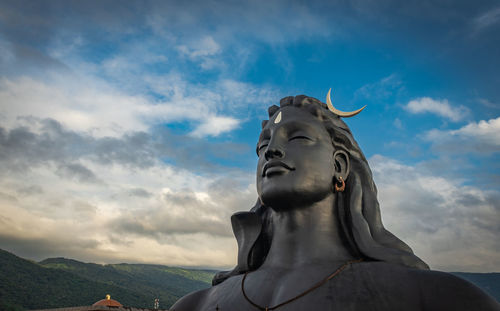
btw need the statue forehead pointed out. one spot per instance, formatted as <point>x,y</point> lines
<point>291,116</point>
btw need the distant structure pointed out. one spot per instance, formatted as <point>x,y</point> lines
<point>106,304</point>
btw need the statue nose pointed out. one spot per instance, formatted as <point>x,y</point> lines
<point>274,153</point>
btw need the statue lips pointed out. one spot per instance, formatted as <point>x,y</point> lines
<point>275,167</point>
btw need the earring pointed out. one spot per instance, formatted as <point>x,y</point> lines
<point>342,185</point>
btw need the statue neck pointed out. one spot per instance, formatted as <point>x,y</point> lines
<point>307,235</point>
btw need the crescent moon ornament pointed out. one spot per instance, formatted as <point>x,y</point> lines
<point>343,114</point>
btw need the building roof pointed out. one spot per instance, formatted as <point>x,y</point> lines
<point>108,302</point>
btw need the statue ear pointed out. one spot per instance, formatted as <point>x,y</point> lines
<point>342,165</point>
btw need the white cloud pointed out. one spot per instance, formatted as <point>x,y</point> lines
<point>120,93</point>
<point>183,220</point>
<point>214,126</point>
<point>96,107</point>
<point>487,19</point>
<point>484,130</point>
<point>203,51</point>
<point>483,136</point>
<point>93,184</point>
<point>234,23</point>
<point>6,51</point>
<point>487,103</point>
<point>439,107</point>
<point>206,46</point>
<point>382,89</point>
<point>76,103</point>
<point>64,193</point>
<point>398,124</point>
<point>449,225</point>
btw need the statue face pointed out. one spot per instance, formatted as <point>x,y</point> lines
<point>296,164</point>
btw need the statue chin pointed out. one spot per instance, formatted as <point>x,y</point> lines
<point>287,199</point>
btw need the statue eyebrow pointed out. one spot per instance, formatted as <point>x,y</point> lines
<point>304,128</point>
<point>290,128</point>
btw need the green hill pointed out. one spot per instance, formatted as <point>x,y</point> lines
<point>59,282</point>
<point>31,286</point>
<point>155,281</point>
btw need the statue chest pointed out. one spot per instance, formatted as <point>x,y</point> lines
<point>296,291</point>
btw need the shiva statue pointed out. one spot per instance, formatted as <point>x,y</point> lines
<point>315,239</point>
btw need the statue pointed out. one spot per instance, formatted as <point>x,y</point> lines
<point>315,240</point>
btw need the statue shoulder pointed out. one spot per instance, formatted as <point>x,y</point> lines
<point>445,291</point>
<point>191,301</point>
<point>427,289</point>
<point>207,299</point>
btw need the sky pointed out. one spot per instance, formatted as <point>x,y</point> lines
<point>128,128</point>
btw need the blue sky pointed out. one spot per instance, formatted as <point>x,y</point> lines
<point>128,129</point>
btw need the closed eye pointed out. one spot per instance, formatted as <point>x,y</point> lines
<point>260,147</point>
<point>299,137</point>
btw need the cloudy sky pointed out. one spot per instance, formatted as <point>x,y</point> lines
<point>128,129</point>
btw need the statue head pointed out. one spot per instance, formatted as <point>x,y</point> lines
<point>297,160</point>
<point>304,149</point>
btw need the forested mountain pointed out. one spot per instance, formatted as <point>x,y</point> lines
<point>156,281</point>
<point>60,282</point>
